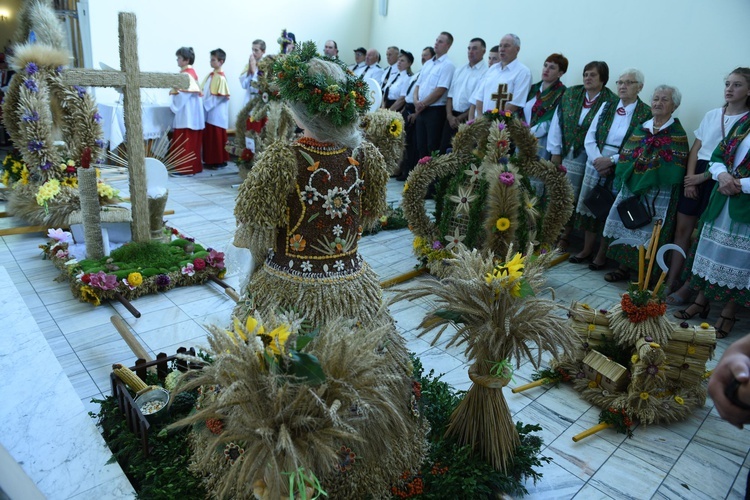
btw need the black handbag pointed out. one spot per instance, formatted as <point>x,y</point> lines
<point>634,213</point>
<point>600,200</point>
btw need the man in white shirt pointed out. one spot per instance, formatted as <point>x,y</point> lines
<point>465,80</point>
<point>430,95</point>
<point>391,55</point>
<point>359,61</point>
<point>250,73</point>
<point>509,71</point>
<point>371,69</point>
<point>331,49</point>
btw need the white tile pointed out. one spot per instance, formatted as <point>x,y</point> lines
<point>615,477</point>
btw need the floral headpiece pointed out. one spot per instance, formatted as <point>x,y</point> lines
<point>342,102</point>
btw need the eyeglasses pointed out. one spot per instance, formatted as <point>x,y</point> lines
<point>625,82</point>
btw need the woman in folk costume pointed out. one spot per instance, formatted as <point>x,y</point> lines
<point>216,104</point>
<point>543,99</point>
<point>302,209</point>
<point>612,126</point>
<point>698,182</point>
<point>189,118</point>
<point>570,123</point>
<point>721,268</point>
<point>652,166</point>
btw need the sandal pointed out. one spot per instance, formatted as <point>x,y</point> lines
<point>703,311</point>
<point>673,299</point>
<point>721,333</point>
<point>617,275</point>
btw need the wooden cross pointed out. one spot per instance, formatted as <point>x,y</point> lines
<point>502,96</point>
<point>131,80</point>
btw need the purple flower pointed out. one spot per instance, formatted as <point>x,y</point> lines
<point>469,122</point>
<point>652,370</point>
<point>31,68</point>
<point>46,166</point>
<point>602,311</point>
<point>192,240</point>
<point>500,126</point>
<point>162,280</point>
<point>580,375</point>
<point>649,338</point>
<point>436,245</point>
<point>684,324</point>
<point>31,85</point>
<point>507,178</point>
<point>104,281</point>
<point>30,117</point>
<point>543,251</point>
<point>58,69</point>
<point>97,117</point>
<point>35,146</point>
<point>504,160</point>
<point>81,90</point>
<point>215,259</point>
<point>99,143</point>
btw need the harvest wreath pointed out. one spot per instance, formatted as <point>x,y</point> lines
<point>134,269</point>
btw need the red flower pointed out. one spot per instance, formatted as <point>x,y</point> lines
<point>247,155</point>
<point>86,278</point>
<point>256,126</point>
<point>199,264</point>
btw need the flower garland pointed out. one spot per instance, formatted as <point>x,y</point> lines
<point>97,280</point>
<point>343,102</point>
<point>34,95</point>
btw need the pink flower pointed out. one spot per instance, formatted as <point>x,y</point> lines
<point>61,254</point>
<point>562,168</point>
<point>501,126</point>
<point>507,178</point>
<point>103,281</point>
<point>60,235</point>
<point>215,259</point>
<point>423,160</point>
<point>199,264</point>
<point>188,270</point>
<point>469,122</point>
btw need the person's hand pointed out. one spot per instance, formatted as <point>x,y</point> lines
<point>691,192</point>
<point>452,121</point>
<point>412,118</point>
<point>556,159</point>
<point>733,365</point>
<point>694,180</point>
<point>603,165</point>
<point>252,66</point>
<point>728,185</point>
<point>419,106</point>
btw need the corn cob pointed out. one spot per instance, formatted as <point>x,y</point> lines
<point>129,377</point>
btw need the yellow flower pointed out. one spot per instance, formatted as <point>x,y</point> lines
<point>679,400</point>
<point>70,182</point>
<point>63,166</point>
<point>502,224</point>
<point>406,187</point>
<point>644,396</point>
<point>585,306</point>
<point>691,349</point>
<point>704,326</point>
<point>593,385</point>
<point>417,243</point>
<point>396,128</point>
<point>507,113</point>
<point>515,264</point>
<point>71,163</point>
<point>89,295</point>
<point>634,358</point>
<point>279,336</point>
<point>6,178</point>
<point>135,279</point>
<point>495,111</point>
<point>251,324</point>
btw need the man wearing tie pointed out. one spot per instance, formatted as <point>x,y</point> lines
<point>391,55</point>
<point>372,70</point>
<point>359,61</point>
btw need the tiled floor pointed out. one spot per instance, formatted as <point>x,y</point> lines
<point>702,457</point>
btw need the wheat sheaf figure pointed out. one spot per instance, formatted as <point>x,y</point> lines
<point>499,318</point>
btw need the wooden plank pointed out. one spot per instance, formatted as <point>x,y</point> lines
<point>23,230</point>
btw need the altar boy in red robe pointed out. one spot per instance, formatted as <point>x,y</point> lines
<point>216,104</point>
<point>189,119</point>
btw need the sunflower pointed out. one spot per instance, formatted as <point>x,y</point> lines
<point>396,128</point>
<point>279,336</point>
<point>502,224</point>
<point>89,295</point>
<point>70,182</point>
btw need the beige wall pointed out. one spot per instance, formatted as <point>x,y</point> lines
<point>229,24</point>
<point>692,44</point>
<point>8,26</point>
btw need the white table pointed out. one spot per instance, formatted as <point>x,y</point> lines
<point>156,119</point>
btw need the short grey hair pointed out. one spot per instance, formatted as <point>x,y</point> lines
<point>319,124</point>
<point>516,40</point>
<point>637,74</point>
<point>676,94</point>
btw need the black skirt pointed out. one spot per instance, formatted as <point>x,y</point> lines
<point>689,206</point>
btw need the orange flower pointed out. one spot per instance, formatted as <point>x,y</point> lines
<point>314,166</point>
<point>352,161</point>
<point>297,242</point>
